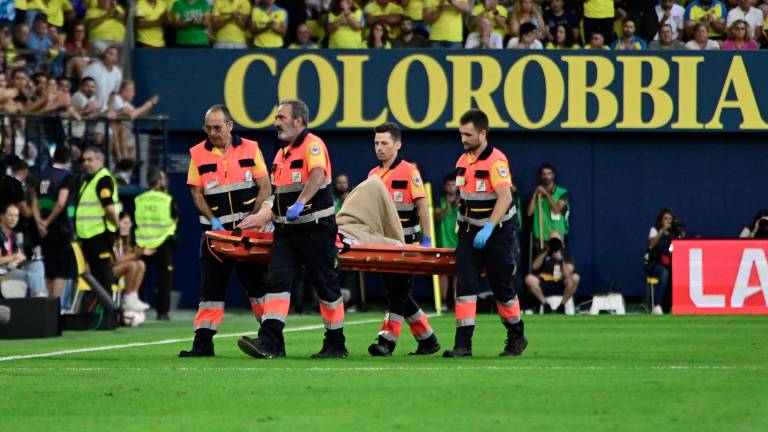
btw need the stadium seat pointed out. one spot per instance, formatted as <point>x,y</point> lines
<point>612,303</point>
<point>554,302</point>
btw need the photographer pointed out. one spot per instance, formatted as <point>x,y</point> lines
<point>552,275</point>
<point>758,228</point>
<point>659,264</point>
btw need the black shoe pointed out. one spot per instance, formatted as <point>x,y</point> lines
<point>163,317</point>
<point>458,352</point>
<point>428,348</point>
<point>379,350</point>
<point>547,309</point>
<point>329,352</point>
<point>254,348</point>
<point>515,346</point>
<point>195,352</point>
<point>560,309</point>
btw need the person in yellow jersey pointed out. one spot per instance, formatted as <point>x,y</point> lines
<point>494,12</point>
<point>269,24</point>
<point>446,18</point>
<point>56,11</point>
<point>96,216</point>
<point>386,12</point>
<point>303,40</point>
<point>151,16</point>
<point>105,20</point>
<point>344,25</point>
<point>230,23</point>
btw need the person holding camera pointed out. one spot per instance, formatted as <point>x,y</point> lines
<point>667,228</point>
<point>758,228</point>
<point>552,275</point>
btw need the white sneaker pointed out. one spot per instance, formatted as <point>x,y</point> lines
<point>657,310</point>
<point>131,302</point>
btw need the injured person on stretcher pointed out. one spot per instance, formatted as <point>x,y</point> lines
<point>368,226</point>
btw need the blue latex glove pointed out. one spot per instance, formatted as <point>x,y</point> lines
<point>216,225</point>
<point>294,211</point>
<point>426,241</point>
<point>483,235</point>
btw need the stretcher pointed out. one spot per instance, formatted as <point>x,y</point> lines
<point>252,246</point>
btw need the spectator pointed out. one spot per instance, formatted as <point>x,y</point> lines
<point>387,12</point>
<point>86,104</point>
<point>12,189</point>
<point>753,17</point>
<point>7,96</point>
<point>667,228</point>
<point>599,18</point>
<point>230,22</point>
<point>13,261</point>
<point>315,16</point>
<point>340,190</point>
<point>151,17</point>
<point>484,37</point>
<point>643,15</point>
<point>122,107</point>
<point>269,24</point>
<point>557,15</point>
<point>408,37</point>
<point>303,40</point>
<point>414,9</point>
<point>628,40</point>
<point>20,38</point>
<point>666,40</point>
<point>24,89</point>
<point>191,19</point>
<point>549,207</point>
<point>492,11</point>
<point>56,12</point>
<point>107,75</point>
<point>77,45</point>
<point>446,18</point>
<point>738,38</point>
<point>524,11</point>
<point>761,218</point>
<point>105,20</point>
<point>553,275</point>
<point>129,265</point>
<point>7,12</point>
<point>709,13</point>
<point>378,38</point>
<point>445,217</point>
<point>52,206</point>
<point>527,38</point>
<point>670,13</point>
<point>39,41</point>
<point>344,25</point>
<point>701,40</point>
<point>564,38</point>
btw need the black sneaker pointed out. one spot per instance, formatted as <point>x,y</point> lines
<point>197,352</point>
<point>515,346</point>
<point>458,352</point>
<point>254,348</point>
<point>331,352</point>
<point>379,350</point>
<point>428,348</point>
<point>560,309</point>
<point>163,317</point>
<point>547,309</point>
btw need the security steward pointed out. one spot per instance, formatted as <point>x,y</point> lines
<point>305,234</point>
<point>96,216</point>
<point>228,180</point>
<point>403,181</point>
<point>487,236</point>
<point>156,219</point>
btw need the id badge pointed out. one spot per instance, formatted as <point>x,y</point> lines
<point>296,177</point>
<point>480,186</point>
<point>248,176</point>
<point>461,181</point>
<point>398,196</point>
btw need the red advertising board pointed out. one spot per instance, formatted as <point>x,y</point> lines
<point>720,277</point>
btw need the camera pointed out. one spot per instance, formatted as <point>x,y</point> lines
<point>554,245</point>
<point>676,228</point>
<point>762,229</point>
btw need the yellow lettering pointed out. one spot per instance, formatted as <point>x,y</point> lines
<point>687,92</point>
<point>234,91</point>
<point>464,94</point>
<point>515,100</point>
<point>744,102</point>
<point>607,105</point>
<point>632,112</point>
<point>352,113</point>
<point>397,95</point>
<point>287,88</point>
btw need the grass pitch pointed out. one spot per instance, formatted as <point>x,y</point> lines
<point>632,373</point>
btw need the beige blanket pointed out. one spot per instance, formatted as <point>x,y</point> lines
<point>369,216</point>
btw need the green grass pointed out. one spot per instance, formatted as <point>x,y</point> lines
<point>633,373</point>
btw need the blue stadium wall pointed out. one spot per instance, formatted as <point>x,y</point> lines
<point>629,134</point>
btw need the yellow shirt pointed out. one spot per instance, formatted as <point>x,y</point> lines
<point>21,4</point>
<point>109,30</point>
<point>231,32</point>
<point>53,9</point>
<point>598,9</point>
<point>375,9</point>
<point>479,10</point>
<point>345,37</point>
<point>262,19</point>
<point>415,10</point>
<point>449,27</point>
<point>152,36</point>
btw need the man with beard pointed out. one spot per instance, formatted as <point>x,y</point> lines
<point>549,207</point>
<point>407,38</point>
<point>628,40</point>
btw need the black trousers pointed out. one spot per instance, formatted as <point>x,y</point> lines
<point>399,298</point>
<point>215,271</point>
<point>599,25</point>
<point>99,255</point>
<point>498,257</point>
<point>163,263</point>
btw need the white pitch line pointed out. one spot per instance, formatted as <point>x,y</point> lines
<point>399,368</point>
<point>164,342</point>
